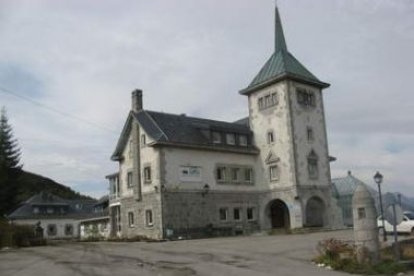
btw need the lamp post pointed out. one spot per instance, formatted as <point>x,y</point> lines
<point>378,179</point>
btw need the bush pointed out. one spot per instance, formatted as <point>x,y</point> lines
<point>18,235</point>
<point>340,255</point>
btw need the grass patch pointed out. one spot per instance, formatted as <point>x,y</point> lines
<point>340,255</point>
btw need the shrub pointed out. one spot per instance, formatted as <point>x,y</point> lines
<point>18,235</point>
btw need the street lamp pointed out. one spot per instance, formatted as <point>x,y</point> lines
<point>378,179</point>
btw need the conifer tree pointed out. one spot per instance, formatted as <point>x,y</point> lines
<point>10,166</point>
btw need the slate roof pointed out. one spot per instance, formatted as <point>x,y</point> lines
<point>182,130</point>
<point>73,208</point>
<point>282,64</point>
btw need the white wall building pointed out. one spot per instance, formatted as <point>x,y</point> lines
<point>182,176</point>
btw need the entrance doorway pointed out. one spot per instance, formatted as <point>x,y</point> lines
<point>315,212</point>
<point>279,214</point>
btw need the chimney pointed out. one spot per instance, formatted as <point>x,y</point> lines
<point>136,100</point>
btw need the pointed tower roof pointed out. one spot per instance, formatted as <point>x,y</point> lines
<point>281,65</point>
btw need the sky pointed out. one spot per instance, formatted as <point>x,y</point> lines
<point>73,65</point>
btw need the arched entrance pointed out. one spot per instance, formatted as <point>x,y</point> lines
<point>279,214</point>
<point>315,212</point>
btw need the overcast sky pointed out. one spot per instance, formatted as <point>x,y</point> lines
<point>83,58</point>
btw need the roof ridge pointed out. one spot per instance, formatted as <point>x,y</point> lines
<point>194,118</point>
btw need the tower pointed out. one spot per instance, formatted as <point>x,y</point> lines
<point>286,115</point>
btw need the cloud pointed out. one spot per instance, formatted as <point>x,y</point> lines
<point>85,57</point>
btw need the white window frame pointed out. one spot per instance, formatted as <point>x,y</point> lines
<point>274,173</point>
<point>143,140</point>
<point>231,139</point>
<point>147,174</point>
<point>240,212</point>
<point>130,180</point>
<point>149,218</point>
<point>235,172</point>
<point>216,137</point>
<point>248,171</point>
<point>223,172</point>
<point>131,219</point>
<point>243,140</point>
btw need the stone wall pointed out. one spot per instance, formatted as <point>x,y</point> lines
<point>192,214</point>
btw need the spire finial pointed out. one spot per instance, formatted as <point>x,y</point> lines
<point>280,43</point>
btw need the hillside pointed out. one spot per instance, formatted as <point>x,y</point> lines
<point>29,184</point>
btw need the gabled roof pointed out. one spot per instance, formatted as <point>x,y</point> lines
<point>281,65</point>
<point>181,130</point>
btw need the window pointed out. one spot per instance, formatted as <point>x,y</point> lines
<point>234,174</point>
<point>230,139</point>
<point>305,97</point>
<point>274,98</point>
<point>248,175</point>
<point>68,229</point>
<point>221,173</point>
<point>131,148</point>
<point>309,134</point>
<point>261,103</point>
<point>131,219</point>
<point>243,140</point>
<point>274,173</point>
<point>35,210</point>
<point>237,213</point>
<point>49,210</point>
<point>147,174</point>
<point>190,174</point>
<point>148,218</point>
<point>313,165</point>
<point>270,138</point>
<point>268,100</point>
<point>361,213</point>
<point>216,137</point>
<point>223,214</point>
<point>51,230</point>
<point>129,179</point>
<point>143,140</point>
<point>250,213</point>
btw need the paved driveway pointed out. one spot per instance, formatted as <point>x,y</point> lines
<point>257,255</point>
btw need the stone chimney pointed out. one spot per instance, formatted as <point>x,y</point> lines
<point>136,100</point>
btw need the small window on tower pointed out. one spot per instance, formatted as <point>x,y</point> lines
<point>310,134</point>
<point>270,137</point>
<point>129,180</point>
<point>143,140</point>
<point>230,139</point>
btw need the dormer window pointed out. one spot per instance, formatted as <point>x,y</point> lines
<point>230,139</point>
<point>243,140</point>
<point>216,137</point>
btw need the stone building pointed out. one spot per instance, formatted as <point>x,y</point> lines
<point>181,176</point>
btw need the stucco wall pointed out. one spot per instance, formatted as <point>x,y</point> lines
<point>276,119</point>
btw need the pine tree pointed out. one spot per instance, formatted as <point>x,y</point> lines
<point>10,166</point>
<point>9,151</point>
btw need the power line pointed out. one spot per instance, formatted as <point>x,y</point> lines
<point>62,113</point>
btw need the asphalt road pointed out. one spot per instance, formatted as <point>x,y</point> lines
<point>257,255</point>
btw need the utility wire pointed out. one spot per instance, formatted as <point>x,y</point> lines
<point>62,113</point>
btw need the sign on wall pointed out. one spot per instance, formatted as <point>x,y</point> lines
<point>190,174</point>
